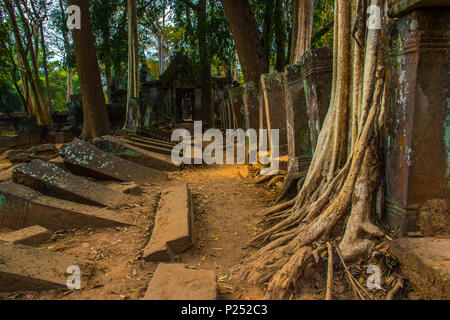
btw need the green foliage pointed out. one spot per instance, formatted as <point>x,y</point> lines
<point>176,19</point>
<point>323,24</point>
<point>220,43</point>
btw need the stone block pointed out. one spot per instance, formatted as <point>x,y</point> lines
<point>426,263</point>
<point>85,159</point>
<point>417,148</point>
<point>51,180</point>
<point>274,104</point>
<point>30,236</point>
<point>317,73</point>
<point>172,231</point>
<point>22,207</point>
<point>251,105</point>
<point>127,151</point>
<point>177,282</point>
<point>25,268</point>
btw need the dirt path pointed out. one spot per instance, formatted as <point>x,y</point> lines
<point>225,205</point>
<point>225,208</point>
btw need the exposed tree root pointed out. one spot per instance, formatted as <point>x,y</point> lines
<point>329,293</point>
<point>344,175</point>
<point>395,290</point>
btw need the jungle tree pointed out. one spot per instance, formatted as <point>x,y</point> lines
<point>95,116</point>
<point>337,200</point>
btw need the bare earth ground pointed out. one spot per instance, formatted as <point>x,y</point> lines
<point>225,208</point>
<point>226,217</point>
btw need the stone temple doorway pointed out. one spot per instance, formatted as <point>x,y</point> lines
<point>185,104</point>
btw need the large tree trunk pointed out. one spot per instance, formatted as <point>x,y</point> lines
<point>301,29</point>
<point>267,34</point>
<point>207,89</point>
<point>337,198</point>
<point>95,116</point>
<point>133,68</point>
<point>280,37</point>
<point>248,41</point>
<point>161,56</point>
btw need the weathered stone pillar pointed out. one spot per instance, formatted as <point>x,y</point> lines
<point>131,124</point>
<point>198,104</point>
<point>417,140</point>
<point>274,103</point>
<point>299,140</point>
<point>317,72</point>
<point>251,105</point>
<point>237,106</point>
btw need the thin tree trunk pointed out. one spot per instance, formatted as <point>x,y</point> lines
<point>39,110</point>
<point>45,63</point>
<point>40,30</point>
<point>133,64</point>
<point>108,73</point>
<point>95,116</point>
<point>133,50</point>
<point>69,84</point>
<point>69,91</point>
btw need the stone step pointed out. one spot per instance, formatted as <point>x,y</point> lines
<point>51,180</point>
<point>148,140</point>
<point>21,207</point>
<point>122,149</point>
<point>172,231</point>
<point>177,282</point>
<point>426,263</point>
<point>85,159</point>
<point>30,236</point>
<point>24,268</point>
<point>165,150</point>
<point>153,133</point>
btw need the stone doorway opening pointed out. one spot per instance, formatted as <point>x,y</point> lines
<point>185,104</point>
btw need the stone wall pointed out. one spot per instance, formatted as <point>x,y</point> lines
<point>417,140</point>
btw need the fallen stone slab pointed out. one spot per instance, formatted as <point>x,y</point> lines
<point>172,231</point>
<point>177,282</point>
<point>30,236</point>
<point>21,207</point>
<point>51,180</point>
<point>85,159</point>
<point>27,268</point>
<point>44,151</point>
<point>426,263</point>
<point>19,156</point>
<point>127,151</point>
